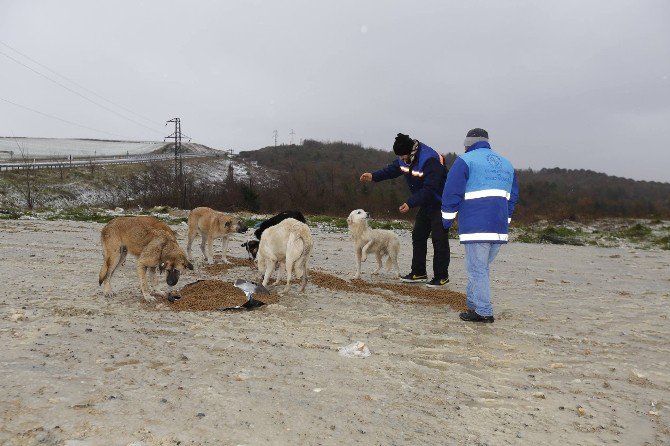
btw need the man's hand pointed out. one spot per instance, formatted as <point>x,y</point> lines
<point>404,208</point>
<point>366,177</point>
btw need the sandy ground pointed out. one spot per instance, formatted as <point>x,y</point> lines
<point>578,354</point>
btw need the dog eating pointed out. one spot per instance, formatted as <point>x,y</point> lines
<point>154,245</point>
<point>289,242</point>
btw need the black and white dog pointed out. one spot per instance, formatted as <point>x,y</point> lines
<point>252,245</point>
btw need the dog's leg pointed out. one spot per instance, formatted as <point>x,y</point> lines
<point>358,263</point>
<point>203,242</point>
<point>289,270</point>
<point>112,261</point>
<point>142,276</point>
<point>269,268</point>
<point>303,284</point>
<point>278,269</point>
<point>379,263</point>
<point>364,251</point>
<point>191,236</point>
<point>152,278</point>
<point>210,248</point>
<point>225,249</point>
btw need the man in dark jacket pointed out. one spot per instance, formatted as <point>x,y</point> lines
<point>425,173</point>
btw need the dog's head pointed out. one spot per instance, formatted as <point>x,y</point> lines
<point>174,262</point>
<point>231,224</point>
<point>357,216</point>
<point>252,247</point>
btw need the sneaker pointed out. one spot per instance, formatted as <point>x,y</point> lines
<point>437,283</point>
<point>472,316</point>
<point>414,278</point>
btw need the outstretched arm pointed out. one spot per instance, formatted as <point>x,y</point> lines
<point>387,173</point>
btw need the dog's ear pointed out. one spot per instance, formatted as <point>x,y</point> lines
<point>189,265</point>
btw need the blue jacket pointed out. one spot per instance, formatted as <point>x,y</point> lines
<point>482,188</point>
<point>425,177</point>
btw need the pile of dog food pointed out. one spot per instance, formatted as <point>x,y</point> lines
<point>212,295</point>
<point>235,262</point>
<point>417,294</point>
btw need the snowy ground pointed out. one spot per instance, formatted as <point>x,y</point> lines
<point>40,147</point>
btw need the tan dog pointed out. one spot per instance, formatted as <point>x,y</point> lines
<point>211,224</point>
<point>151,241</point>
<point>288,242</point>
<point>380,242</point>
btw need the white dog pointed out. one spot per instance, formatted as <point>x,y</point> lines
<point>288,242</point>
<point>380,242</point>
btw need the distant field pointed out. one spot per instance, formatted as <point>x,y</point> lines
<point>41,147</point>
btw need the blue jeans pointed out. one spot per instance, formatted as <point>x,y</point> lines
<point>478,257</point>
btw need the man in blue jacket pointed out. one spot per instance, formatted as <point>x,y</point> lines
<point>425,173</point>
<point>482,189</point>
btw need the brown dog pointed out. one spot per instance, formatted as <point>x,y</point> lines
<point>211,224</point>
<point>151,241</point>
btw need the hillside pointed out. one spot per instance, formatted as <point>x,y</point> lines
<point>317,178</point>
<point>80,147</point>
<point>323,178</point>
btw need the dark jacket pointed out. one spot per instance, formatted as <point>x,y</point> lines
<point>425,177</point>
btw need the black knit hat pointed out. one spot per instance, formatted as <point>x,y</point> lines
<point>474,136</point>
<point>478,133</point>
<point>403,145</point>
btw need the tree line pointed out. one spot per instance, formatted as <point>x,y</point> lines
<point>322,178</point>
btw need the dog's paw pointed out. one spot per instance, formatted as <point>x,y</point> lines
<point>108,294</point>
<point>148,297</point>
<point>356,276</point>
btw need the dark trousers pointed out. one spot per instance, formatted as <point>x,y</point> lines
<point>430,221</point>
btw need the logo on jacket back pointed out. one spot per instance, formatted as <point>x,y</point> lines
<point>494,160</point>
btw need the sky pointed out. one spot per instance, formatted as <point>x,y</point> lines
<point>572,84</point>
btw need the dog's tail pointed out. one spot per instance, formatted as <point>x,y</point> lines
<point>300,266</point>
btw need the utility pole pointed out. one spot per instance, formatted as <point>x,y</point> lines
<point>275,133</point>
<point>292,133</point>
<point>178,164</point>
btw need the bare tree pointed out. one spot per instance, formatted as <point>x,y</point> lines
<point>28,189</point>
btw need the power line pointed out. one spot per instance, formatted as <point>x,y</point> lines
<point>78,85</point>
<point>61,119</point>
<point>79,94</point>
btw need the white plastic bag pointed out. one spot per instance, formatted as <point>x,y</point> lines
<point>356,350</point>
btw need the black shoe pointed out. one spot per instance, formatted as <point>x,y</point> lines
<point>471,316</point>
<point>437,283</point>
<point>414,278</point>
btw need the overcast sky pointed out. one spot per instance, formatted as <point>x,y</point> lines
<point>574,84</point>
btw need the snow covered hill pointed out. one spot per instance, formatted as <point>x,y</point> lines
<point>48,147</point>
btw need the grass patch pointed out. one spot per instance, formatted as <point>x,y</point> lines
<point>251,222</point>
<point>391,225</point>
<point>664,242</point>
<point>336,222</point>
<point>9,214</point>
<point>80,214</point>
<point>637,232</point>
